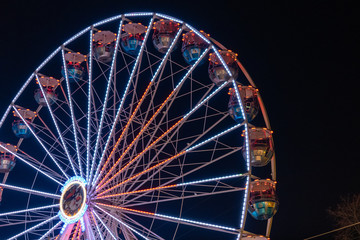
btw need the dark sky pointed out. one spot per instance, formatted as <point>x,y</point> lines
<point>301,54</point>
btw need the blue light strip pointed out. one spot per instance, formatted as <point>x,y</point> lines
<point>222,61</point>
<point>169,18</point>
<point>63,228</point>
<point>76,36</point>
<point>82,223</point>
<point>211,179</point>
<point>138,14</point>
<point>197,222</point>
<point>247,148</point>
<point>28,210</point>
<point>89,106</point>
<point>214,137</point>
<point>198,33</point>
<point>206,99</point>
<point>71,111</point>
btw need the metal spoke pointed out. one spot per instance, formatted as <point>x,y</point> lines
<point>30,191</point>
<point>28,210</point>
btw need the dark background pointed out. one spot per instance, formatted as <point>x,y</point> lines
<point>302,56</point>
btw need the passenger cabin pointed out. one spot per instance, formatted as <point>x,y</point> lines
<point>7,159</point>
<point>249,98</point>
<point>261,146</point>
<point>133,37</point>
<point>217,70</point>
<point>263,202</point>
<point>75,71</point>
<point>193,46</point>
<point>19,127</point>
<point>164,34</point>
<point>104,45</point>
<point>48,84</point>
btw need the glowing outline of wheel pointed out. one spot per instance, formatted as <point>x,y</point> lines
<point>89,166</point>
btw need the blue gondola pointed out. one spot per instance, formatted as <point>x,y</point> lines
<point>20,129</point>
<point>249,99</point>
<point>75,71</point>
<point>263,203</point>
<point>193,46</point>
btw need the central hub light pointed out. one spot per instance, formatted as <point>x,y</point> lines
<point>73,200</point>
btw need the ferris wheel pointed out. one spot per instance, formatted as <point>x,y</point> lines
<point>137,127</point>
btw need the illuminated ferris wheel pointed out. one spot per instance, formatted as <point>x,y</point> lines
<point>137,127</point>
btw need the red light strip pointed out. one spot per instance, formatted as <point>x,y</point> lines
<point>138,155</point>
<point>137,191</point>
<point>123,132</point>
<point>76,230</point>
<point>126,209</point>
<point>142,172</point>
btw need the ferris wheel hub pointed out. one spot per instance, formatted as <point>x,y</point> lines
<point>73,200</point>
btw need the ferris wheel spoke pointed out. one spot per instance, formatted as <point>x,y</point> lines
<point>34,227</point>
<point>104,225</point>
<point>40,142</point>
<point>168,218</point>
<point>71,111</point>
<point>30,191</point>
<point>63,144</point>
<point>28,210</point>
<point>89,94</point>
<point>50,231</point>
<point>122,222</point>
<point>120,108</point>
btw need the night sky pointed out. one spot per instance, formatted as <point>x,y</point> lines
<point>301,54</point>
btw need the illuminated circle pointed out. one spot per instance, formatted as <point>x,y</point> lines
<point>73,200</point>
